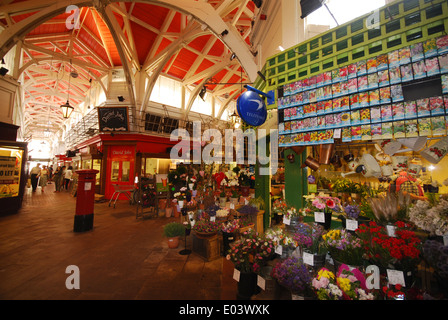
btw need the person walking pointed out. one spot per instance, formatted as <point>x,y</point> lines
<point>67,176</point>
<point>57,178</point>
<point>35,171</point>
<point>43,178</point>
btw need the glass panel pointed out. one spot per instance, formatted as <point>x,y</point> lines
<point>97,166</point>
<point>115,171</point>
<point>125,171</point>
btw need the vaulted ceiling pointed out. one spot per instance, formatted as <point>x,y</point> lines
<point>181,39</point>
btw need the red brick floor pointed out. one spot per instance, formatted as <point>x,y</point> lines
<point>121,258</point>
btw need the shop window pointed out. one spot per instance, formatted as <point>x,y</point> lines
<point>358,39</point>
<point>375,47</point>
<point>414,34</point>
<point>281,80</point>
<point>281,58</point>
<point>291,77</point>
<point>373,33</point>
<point>302,48</point>
<point>357,25</point>
<point>434,11</point>
<point>392,26</point>
<point>272,61</point>
<point>327,64</point>
<point>412,18</point>
<point>436,28</point>
<point>291,64</point>
<point>314,44</point>
<point>303,73</point>
<point>281,68</point>
<point>291,54</point>
<point>358,53</point>
<point>303,60</point>
<point>169,124</point>
<point>342,59</point>
<point>391,11</point>
<point>327,50</point>
<point>126,168</point>
<point>327,38</point>
<point>341,45</point>
<point>314,68</point>
<point>97,166</point>
<point>393,41</point>
<point>314,56</point>
<point>115,171</point>
<point>341,32</point>
<point>410,4</point>
<point>152,122</point>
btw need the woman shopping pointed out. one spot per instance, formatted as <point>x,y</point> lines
<point>68,176</point>
<point>43,178</point>
<point>57,178</point>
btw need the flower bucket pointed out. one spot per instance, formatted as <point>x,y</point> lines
<point>293,223</point>
<point>227,239</point>
<point>247,285</point>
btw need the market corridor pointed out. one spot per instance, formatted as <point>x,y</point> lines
<point>121,258</point>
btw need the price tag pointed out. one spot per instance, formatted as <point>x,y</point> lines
<point>212,219</point>
<point>391,231</point>
<point>232,206</point>
<point>286,220</point>
<point>236,275</point>
<point>351,224</point>
<point>279,250</point>
<point>308,258</point>
<point>395,277</point>
<point>319,217</point>
<point>261,282</point>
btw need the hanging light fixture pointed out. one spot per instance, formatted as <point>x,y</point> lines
<point>66,108</point>
<point>234,119</point>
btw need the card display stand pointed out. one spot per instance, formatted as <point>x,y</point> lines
<point>146,198</point>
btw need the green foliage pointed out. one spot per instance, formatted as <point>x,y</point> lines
<point>173,229</point>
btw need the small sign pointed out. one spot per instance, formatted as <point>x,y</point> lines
<point>308,258</point>
<point>351,224</point>
<point>261,282</point>
<point>236,275</point>
<point>286,220</point>
<point>88,186</point>
<point>279,250</point>
<point>319,217</point>
<point>112,119</point>
<point>391,230</point>
<point>395,277</point>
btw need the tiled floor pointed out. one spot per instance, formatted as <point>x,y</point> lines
<point>121,258</point>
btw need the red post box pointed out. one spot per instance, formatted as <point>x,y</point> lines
<point>85,199</point>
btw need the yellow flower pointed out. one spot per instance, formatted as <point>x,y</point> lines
<point>325,273</point>
<point>344,284</point>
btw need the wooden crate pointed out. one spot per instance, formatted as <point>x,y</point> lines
<point>209,248</point>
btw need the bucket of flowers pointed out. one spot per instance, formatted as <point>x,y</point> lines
<point>283,242</point>
<point>309,238</point>
<point>352,284</point>
<point>400,252</point>
<point>205,228</point>
<point>293,275</point>
<point>325,286</point>
<point>228,230</point>
<point>323,207</point>
<point>344,248</point>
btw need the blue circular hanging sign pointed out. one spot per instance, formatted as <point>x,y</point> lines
<point>251,108</point>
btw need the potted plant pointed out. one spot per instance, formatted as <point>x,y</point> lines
<point>293,274</point>
<point>234,197</point>
<point>222,199</point>
<point>206,228</point>
<point>325,206</point>
<point>173,231</point>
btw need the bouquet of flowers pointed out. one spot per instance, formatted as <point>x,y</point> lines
<point>401,252</point>
<point>344,247</point>
<point>326,203</point>
<point>352,211</point>
<point>309,238</point>
<point>352,284</point>
<point>325,287</point>
<point>280,238</point>
<point>250,252</point>
<point>279,206</point>
<point>433,219</point>
<point>206,226</point>
<point>180,196</point>
<point>222,213</point>
<point>437,255</point>
<point>292,274</point>
<point>230,226</point>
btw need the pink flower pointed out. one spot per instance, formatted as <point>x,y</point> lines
<point>322,283</point>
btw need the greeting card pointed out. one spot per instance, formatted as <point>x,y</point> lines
<point>335,75</point>
<point>298,86</point>
<point>398,111</point>
<point>299,112</point>
<point>329,121</point>
<point>442,44</point>
<point>287,127</point>
<point>417,53</point>
<point>386,130</point>
<point>313,137</point>
<point>346,134</point>
<point>393,58</point>
<point>327,78</point>
<point>382,62</point>
<point>386,113</point>
<point>295,126</point>
<point>337,118</point>
<point>432,66</point>
<point>354,101</point>
<point>410,110</point>
<point>396,93</point>
<point>345,103</point>
<point>356,133</point>
<point>372,80</point>
<point>361,67</point>
<point>352,85</point>
<point>328,106</point>
<point>363,99</point>
<point>375,114</point>
<point>419,69</point>
<point>320,122</point>
<point>406,72</point>
<point>364,116</point>
<point>376,131</point>
<point>344,87</point>
<point>366,132</point>
<point>336,88</point>
<point>424,126</point>
<point>371,65</point>
<point>312,82</point>
<point>443,63</point>
<point>337,104</point>
<point>305,84</point>
<point>320,94</point>
<point>445,101</point>
<point>352,71</point>
<point>383,78</point>
<point>411,128</point>
<point>394,75</point>
<point>320,108</point>
<point>444,79</point>
<point>355,120</point>
<point>430,48</point>
<point>399,129</point>
<point>343,73</point>
<point>363,83</point>
<point>313,123</point>
<point>374,97</point>
<point>385,95</point>
<point>319,80</point>
<point>345,119</point>
<point>423,107</point>
<point>436,106</point>
<point>305,97</point>
<point>312,96</point>
<point>438,126</point>
<point>404,55</point>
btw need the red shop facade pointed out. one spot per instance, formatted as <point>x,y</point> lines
<point>120,157</point>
